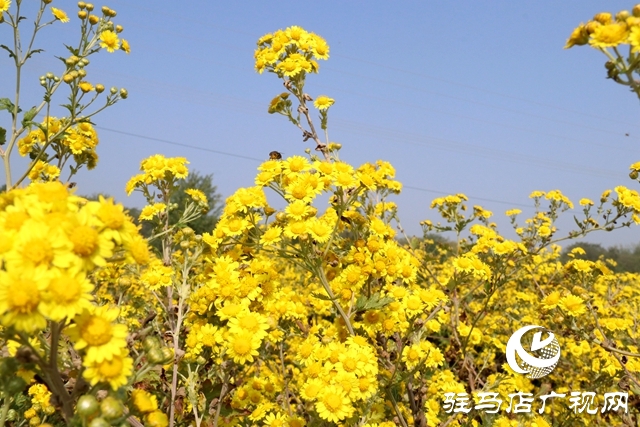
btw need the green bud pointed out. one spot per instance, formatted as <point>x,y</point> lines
<point>151,342</point>
<point>49,76</point>
<point>111,408</point>
<point>113,90</point>
<point>87,406</point>
<point>123,93</point>
<point>99,422</point>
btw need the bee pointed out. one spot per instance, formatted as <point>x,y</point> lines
<point>70,185</point>
<point>275,155</point>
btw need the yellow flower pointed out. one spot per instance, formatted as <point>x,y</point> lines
<point>94,330</point>
<point>21,293</point>
<point>125,46</point>
<point>609,35</point>
<point>156,419</point>
<point>109,40</point>
<point>573,305</point>
<point>68,294</point>
<point>333,405</point>
<point>4,5</point>
<point>271,236</point>
<point>578,37</point>
<point>144,401</point>
<point>242,347</point>
<point>323,102</point>
<point>114,371</point>
<point>585,202</point>
<point>59,15</point>
<point>197,195</point>
<point>85,87</point>
<point>150,211</point>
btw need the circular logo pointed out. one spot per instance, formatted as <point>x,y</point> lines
<point>543,356</point>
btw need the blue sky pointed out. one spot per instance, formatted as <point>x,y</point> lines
<point>472,97</point>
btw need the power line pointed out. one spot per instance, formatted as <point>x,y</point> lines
<point>179,144</point>
<point>427,190</point>
<point>379,65</point>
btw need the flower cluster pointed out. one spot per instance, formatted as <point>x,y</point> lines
<point>290,52</point>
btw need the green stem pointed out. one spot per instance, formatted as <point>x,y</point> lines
<point>5,410</point>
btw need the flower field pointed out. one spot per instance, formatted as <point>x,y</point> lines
<point>319,313</point>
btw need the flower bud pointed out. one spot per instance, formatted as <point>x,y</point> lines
<point>604,18</point>
<point>609,65</point>
<point>46,1</point>
<point>124,93</point>
<point>43,82</point>
<point>87,406</point>
<point>49,76</point>
<point>184,244</point>
<point>82,4</point>
<point>591,26</point>
<point>99,88</point>
<point>105,10</point>
<point>67,78</point>
<point>89,7</point>
<point>35,421</point>
<point>622,15</point>
<point>156,356</point>
<point>269,211</point>
<point>112,13</point>
<point>636,10</point>
<point>82,14</point>
<point>42,77</point>
<point>56,79</point>
<point>119,28</point>
<point>113,90</point>
<point>151,342</point>
<point>93,19</point>
<point>633,174</point>
<point>99,422</point>
<point>111,408</point>
<point>281,217</point>
<point>82,72</point>
<point>72,60</point>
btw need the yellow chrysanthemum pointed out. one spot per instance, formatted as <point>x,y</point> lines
<point>333,405</point>
<point>4,5</point>
<point>115,371</point>
<point>60,15</point>
<point>109,40</point>
<point>242,347</point>
<point>68,294</point>
<point>573,305</point>
<point>144,401</point>
<point>125,46</point>
<point>95,331</point>
<point>21,293</point>
<point>609,35</point>
<point>323,102</point>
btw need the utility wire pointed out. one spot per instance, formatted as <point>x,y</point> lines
<point>253,35</point>
<point>165,141</point>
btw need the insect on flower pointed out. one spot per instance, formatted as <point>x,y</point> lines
<point>275,155</point>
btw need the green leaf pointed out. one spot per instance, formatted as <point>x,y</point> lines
<point>374,302</point>
<point>11,54</point>
<point>6,104</point>
<point>28,116</point>
<point>73,50</point>
<point>322,296</point>
<point>3,136</point>
<point>30,54</point>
